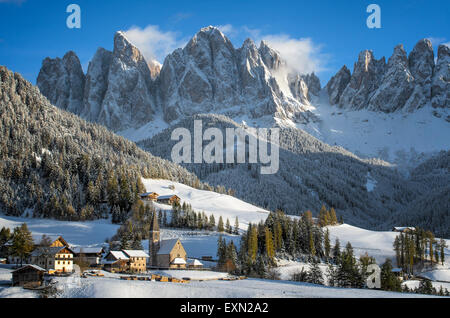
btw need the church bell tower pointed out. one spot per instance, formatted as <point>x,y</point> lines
<point>154,240</point>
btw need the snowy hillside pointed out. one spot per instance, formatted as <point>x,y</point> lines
<point>402,138</point>
<point>210,202</point>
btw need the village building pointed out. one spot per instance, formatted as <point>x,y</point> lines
<point>149,196</point>
<point>126,261</point>
<point>169,199</point>
<point>58,258</point>
<point>53,241</point>
<point>91,255</point>
<point>28,275</point>
<point>195,264</point>
<point>115,261</point>
<point>165,253</point>
<point>403,229</point>
<point>137,260</point>
<point>2,260</point>
<point>171,254</point>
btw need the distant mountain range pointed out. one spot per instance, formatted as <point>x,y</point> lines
<point>122,90</point>
<point>254,86</point>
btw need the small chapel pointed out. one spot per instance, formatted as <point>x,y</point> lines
<point>164,253</point>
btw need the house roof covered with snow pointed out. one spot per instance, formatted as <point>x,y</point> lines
<point>49,250</point>
<point>87,250</point>
<point>135,253</point>
<point>166,197</point>
<point>38,268</point>
<point>195,262</point>
<point>178,261</point>
<point>403,228</point>
<point>119,255</point>
<point>167,246</point>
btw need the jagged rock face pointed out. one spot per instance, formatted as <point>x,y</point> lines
<point>270,57</point>
<point>210,75</point>
<point>364,81</point>
<point>96,84</point>
<point>304,87</point>
<point>128,101</point>
<point>337,84</point>
<point>405,83</point>
<point>201,77</point>
<point>421,64</point>
<point>440,89</point>
<point>396,86</point>
<point>122,90</point>
<point>62,82</point>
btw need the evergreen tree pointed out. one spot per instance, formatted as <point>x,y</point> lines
<point>236,226</point>
<point>212,222</point>
<point>22,242</point>
<point>327,245</point>
<point>315,274</point>
<point>228,228</point>
<point>270,250</point>
<point>337,251</point>
<point>220,227</point>
<point>442,246</point>
<point>388,279</point>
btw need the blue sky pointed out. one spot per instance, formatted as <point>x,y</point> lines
<point>320,35</point>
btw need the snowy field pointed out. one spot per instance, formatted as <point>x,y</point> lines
<point>89,233</point>
<point>249,288</point>
<point>210,202</point>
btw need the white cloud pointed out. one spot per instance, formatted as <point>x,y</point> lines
<point>301,55</point>
<point>436,41</point>
<point>154,43</point>
<point>227,29</point>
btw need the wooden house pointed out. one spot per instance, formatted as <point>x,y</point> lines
<point>149,196</point>
<point>137,260</point>
<point>92,255</point>
<point>169,199</point>
<point>58,258</point>
<point>55,240</point>
<point>403,229</point>
<point>28,275</point>
<point>115,262</point>
<point>171,254</point>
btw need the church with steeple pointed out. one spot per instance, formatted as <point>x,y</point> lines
<point>164,253</point>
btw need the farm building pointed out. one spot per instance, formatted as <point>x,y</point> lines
<point>28,275</point>
<point>53,240</point>
<point>137,260</point>
<point>168,199</point>
<point>59,258</point>
<point>92,255</point>
<point>195,264</point>
<point>125,261</point>
<point>403,229</point>
<point>149,196</point>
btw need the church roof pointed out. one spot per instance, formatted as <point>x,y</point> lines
<point>167,246</point>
